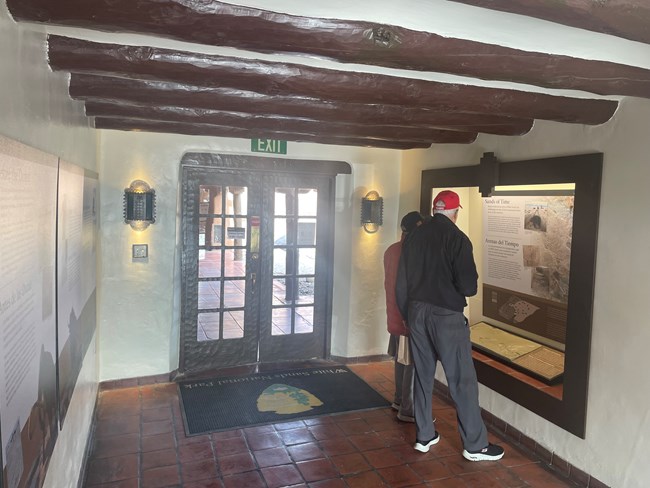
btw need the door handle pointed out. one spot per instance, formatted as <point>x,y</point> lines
<point>253,278</point>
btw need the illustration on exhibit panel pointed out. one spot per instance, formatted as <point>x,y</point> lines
<point>526,260</point>
<point>27,313</point>
<point>77,229</point>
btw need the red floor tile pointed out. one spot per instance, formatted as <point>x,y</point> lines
<point>161,477</point>
<point>258,442</point>
<point>350,463</point>
<point>132,483</point>
<point>204,484</point>
<point>237,463</point>
<point>196,471</point>
<point>278,476</point>
<point>112,469</point>
<point>317,469</point>
<point>158,442</point>
<point>157,427</point>
<point>251,479</point>
<point>157,414</point>
<point>399,476</point>
<point>305,452</point>
<point>340,445</point>
<point>382,458</point>
<point>333,483</point>
<point>158,459</point>
<point>369,479</point>
<point>195,452</point>
<point>228,447</point>
<point>140,443</point>
<point>118,426</point>
<point>272,457</point>
<point>431,470</point>
<point>116,445</point>
<point>296,436</point>
<point>367,442</point>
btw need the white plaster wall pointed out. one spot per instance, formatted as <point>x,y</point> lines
<point>34,103</point>
<point>139,301</point>
<point>618,412</point>
<point>36,111</point>
<point>358,262</point>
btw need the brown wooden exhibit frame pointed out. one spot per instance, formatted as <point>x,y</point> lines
<point>585,171</point>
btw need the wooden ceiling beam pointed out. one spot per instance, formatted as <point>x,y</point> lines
<point>297,80</point>
<point>628,19</point>
<point>154,93</point>
<point>283,124</point>
<point>219,131</point>
<point>221,24</point>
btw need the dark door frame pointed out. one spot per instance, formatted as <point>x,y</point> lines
<point>193,161</point>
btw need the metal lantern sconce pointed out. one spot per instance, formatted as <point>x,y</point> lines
<point>139,205</point>
<point>372,212</point>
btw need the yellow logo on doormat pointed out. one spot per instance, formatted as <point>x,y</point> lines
<point>284,399</point>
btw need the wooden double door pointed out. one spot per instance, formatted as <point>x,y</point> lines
<point>256,266</point>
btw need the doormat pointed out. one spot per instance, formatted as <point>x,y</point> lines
<point>262,398</point>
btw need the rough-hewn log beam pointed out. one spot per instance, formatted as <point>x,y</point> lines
<point>283,124</point>
<point>296,80</point>
<point>156,93</point>
<point>622,18</point>
<point>218,131</point>
<point>217,23</point>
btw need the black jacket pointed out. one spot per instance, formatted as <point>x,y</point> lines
<point>436,266</point>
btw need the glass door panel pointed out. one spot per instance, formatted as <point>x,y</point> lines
<point>220,310</point>
<point>290,302</point>
<point>256,267</point>
<point>223,212</point>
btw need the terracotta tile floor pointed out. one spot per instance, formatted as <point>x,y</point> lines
<point>139,442</point>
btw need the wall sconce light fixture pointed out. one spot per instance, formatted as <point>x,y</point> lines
<point>139,205</point>
<point>372,212</point>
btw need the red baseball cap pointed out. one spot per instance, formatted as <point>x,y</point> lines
<point>446,200</point>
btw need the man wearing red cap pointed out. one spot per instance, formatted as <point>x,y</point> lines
<point>436,274</point>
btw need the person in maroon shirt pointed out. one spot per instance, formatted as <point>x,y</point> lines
<point>403,398</point>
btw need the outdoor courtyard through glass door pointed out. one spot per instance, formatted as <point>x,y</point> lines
<point>224,229</point>
<point>257,260</point>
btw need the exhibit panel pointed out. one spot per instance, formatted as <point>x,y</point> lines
<point>76,276</point>
<point>27,312</point>
<point>526,258</point>
<point>533,225</point>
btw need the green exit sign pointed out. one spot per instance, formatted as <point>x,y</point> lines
<point>269,146</point>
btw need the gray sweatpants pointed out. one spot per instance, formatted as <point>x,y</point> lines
<point>441,334</point>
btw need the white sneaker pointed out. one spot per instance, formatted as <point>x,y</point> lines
<point>490,453</point>
<point>424,446</point>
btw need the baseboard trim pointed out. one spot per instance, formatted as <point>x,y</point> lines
<point>361,359</point>
<point>132,382</point>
